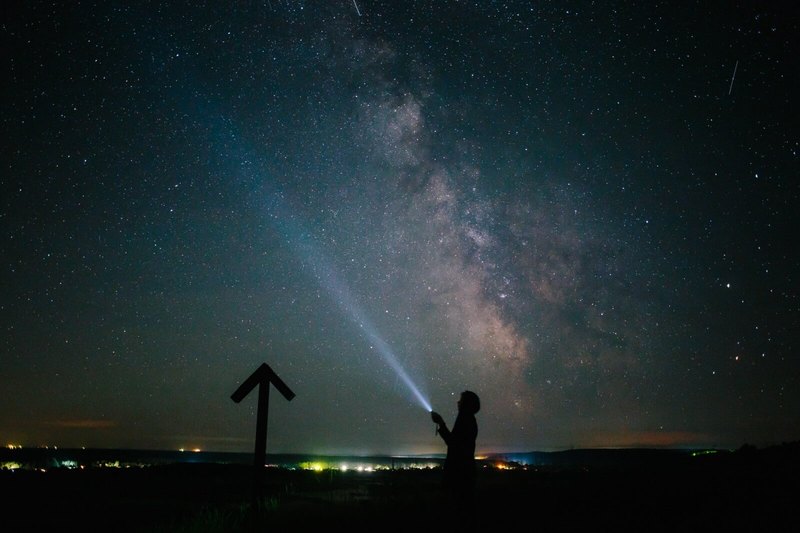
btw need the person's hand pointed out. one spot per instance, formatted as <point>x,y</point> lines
<point>437,418</point>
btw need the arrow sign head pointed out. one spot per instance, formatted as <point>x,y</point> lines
<point>263,374</point>
<point>250,383</point>
<point>280,385</point>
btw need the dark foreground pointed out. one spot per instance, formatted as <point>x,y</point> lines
<point>745,491</point>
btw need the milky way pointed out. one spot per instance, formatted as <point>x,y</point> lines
<point>569,209</point>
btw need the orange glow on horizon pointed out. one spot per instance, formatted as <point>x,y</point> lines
<point>647,439</point>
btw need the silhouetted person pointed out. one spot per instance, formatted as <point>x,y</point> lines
<point>459,466</point>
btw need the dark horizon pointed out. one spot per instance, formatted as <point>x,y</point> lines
<point>12,449</point>
<point>46,459</point>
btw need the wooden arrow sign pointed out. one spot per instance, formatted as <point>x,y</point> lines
<point>263,374</point>
<point>262,378</point>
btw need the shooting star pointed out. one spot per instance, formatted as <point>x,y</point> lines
<point>736,66</point>
<point>357,10</point>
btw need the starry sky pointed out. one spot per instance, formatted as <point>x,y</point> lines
<point>585,212</point>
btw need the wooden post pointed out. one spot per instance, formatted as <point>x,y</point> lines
<point>260,454</point>
<point>262,377</point>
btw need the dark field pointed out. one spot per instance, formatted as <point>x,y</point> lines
<point>748,490</point>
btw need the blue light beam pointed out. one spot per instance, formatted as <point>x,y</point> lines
<point>340,293</point>
<point>237,149</point>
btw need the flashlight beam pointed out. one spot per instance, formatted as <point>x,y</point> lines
<point>340,293</point>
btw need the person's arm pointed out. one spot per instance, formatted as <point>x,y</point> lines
<point>441,426</point>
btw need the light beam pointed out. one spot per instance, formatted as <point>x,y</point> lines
<point>340,293</point>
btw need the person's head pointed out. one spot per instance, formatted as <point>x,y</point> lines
<point>469,402</point>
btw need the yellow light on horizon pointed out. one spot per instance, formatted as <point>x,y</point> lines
<point>316,466</point>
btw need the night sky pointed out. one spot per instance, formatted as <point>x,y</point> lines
<point>585,212</point>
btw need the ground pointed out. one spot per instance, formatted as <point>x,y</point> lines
<point>702,494</point>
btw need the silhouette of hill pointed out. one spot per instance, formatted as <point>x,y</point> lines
<point>599,457</point>
<point>784,455</point>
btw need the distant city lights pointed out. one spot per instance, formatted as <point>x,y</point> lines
<point>364,466</point>
<point>703,452</point>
